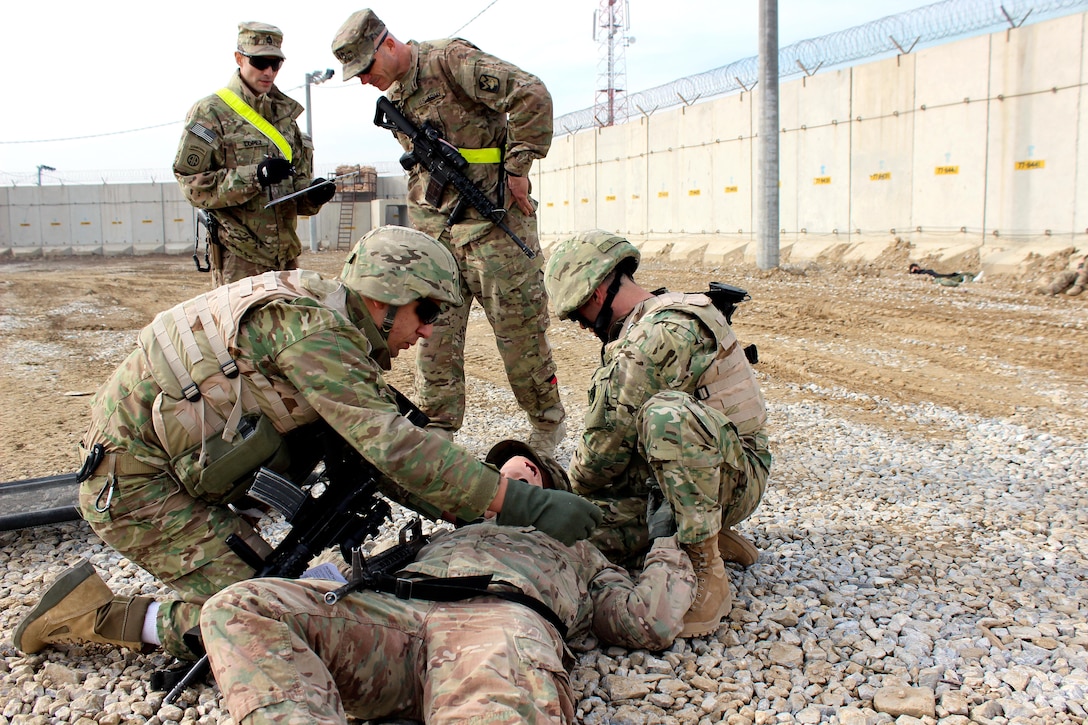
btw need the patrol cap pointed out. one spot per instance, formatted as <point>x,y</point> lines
<point>396,265</point>
<point>356,41</point>
<point>578,265</point>
<point>553,474</point>
<point>256,39</point>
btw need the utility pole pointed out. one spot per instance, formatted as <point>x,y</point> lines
<point>767,200</point>
<point>314,78</point>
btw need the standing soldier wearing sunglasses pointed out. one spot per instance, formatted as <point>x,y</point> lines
<point>242,148</point>
<point>499,117</point>
<point>261,372</point>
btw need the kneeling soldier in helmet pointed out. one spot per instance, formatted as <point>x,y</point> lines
<point>675,416</point>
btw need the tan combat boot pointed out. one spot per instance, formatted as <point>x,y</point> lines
<point>547,436</point>
<point>713,598</point>
<point>79,608</point>
<point>736,549</point>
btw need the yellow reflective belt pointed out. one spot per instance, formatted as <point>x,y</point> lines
<point>244,110</point>
<point>482,156</point>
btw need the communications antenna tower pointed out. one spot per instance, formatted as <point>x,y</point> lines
<point>611,23</point>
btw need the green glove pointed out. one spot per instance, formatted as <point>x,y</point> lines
<point>564,516</point>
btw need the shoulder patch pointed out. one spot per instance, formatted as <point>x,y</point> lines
<point>487,83</point>
<point>194,156</point>
<point>203,132</point>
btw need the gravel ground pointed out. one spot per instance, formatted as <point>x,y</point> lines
<point>951,589</point>
<point>923,552</point>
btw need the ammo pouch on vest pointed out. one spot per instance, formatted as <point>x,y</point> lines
<point>227,468</point>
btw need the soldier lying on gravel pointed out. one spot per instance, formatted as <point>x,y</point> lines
<point>281,653</point>
<point>275,355</point>
<point>674,407</point>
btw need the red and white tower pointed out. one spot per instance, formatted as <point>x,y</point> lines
<point>611,23</point>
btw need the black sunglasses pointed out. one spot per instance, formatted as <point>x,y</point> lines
<point>578,318</point>
<point>427,310</point>
<point>264,62</point>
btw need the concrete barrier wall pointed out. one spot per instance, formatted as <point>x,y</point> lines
<point>150,218</point>
<point>106,219</point>
<point>974,150</point>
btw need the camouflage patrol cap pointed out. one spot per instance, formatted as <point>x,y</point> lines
<point>396,265</point>
<point>256,39</point>
<point>553,474</point>
<point>578,265</point>
<point>356,41</point>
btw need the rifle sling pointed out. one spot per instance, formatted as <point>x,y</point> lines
<point>456,589</point>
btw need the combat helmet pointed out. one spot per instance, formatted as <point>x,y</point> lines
<point>396,265</point>
<point>578,265</point>
<point>554,475</point>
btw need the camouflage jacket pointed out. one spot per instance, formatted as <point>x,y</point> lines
<point>216,166</point>
<point>586,591</point>
<point>335,361</point>
<point>475,101</point>
<point>665,349</point>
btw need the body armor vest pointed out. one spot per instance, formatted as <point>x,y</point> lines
<point>208,395</point>
<point>729,384</point>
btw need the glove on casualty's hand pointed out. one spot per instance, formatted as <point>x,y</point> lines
<point>273,171</point>
<point>562,515</point>
<point>319,195</point>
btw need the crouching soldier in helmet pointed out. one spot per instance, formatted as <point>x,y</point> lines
<point>675,413</point>
<point>261,372</point>
<point>489,651</point>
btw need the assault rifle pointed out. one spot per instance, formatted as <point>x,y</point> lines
<point>338,505</point>
<point>446,166</point>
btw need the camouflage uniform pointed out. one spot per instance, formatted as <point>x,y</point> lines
<point>1071,281</point>
<point>304,358</point>
<point>477,101</point>
<point>645,425</point>
<point>674,405</point>
<point>281,654</point>
<point>216,166</point>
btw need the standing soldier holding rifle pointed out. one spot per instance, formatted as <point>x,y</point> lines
<point>457,101</point>
<point>242,148</point>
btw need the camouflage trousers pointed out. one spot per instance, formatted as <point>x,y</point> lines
<point>180,540</point>
<point>710,476</point>
<point>228,267</point>
<point>510,288</point>
<point>280,654</point>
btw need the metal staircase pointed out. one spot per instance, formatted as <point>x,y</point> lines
<point>346,226</point>
<point>361,187</point>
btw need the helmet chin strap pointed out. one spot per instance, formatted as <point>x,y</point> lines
<point>603,324</point>
<point>387,323</point>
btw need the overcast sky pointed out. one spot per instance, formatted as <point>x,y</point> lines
<point>83,69</point>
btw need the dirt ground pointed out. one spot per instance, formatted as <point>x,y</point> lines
<point>861,338</point>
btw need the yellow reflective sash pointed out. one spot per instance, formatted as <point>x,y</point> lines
<point>481,156</point>
<point>244,110</point>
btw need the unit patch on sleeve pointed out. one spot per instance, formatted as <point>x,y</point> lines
<point>488,84</point>
<point>194,156</point>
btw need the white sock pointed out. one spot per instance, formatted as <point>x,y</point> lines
<point>150,634</point>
